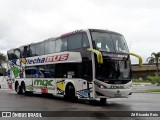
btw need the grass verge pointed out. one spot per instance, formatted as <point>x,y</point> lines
<point>152,90</point>
<point>141,81</point>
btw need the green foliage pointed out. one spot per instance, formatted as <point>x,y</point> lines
<point>154,59</point>
<point>140,81</point>
<point>154,79</point>
<point>152,90</point>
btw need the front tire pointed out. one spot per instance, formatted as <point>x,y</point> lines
<point>18,89</point>
<point>70,94</point>
<point>23,89</point>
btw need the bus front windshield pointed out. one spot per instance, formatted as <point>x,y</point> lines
<point>109,42</point>
<point>111,69</point>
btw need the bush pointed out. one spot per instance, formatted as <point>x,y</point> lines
<point>154,79</point>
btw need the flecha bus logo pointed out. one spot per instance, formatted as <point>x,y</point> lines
<point>56,58</point>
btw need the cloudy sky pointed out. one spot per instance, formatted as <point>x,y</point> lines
<point>27,21</point>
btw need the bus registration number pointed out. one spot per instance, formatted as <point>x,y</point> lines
<point>118,95</point>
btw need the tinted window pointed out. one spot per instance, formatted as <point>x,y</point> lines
<point>32,50</point>
<point>30,72</point>
<point>75,41</point>
<point>27,52</point>
<point>120,43</point>
<point>74,70</point>
<point>61,70</point>
<point>102,41</point>
<point>49,71</point>
<point>34,72</point>
<point>42,71</point>
<point>85,40</point>
<point>49,47</point>
<point>61,45</point>
<point>40,48</point>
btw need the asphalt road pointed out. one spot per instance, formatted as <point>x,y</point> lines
<point>10,101</point>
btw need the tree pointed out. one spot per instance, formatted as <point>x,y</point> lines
<point>155,58</point>
<point>2,60</point>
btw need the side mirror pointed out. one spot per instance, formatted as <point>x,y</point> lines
<point>99,55</point>
<point>139,57</point>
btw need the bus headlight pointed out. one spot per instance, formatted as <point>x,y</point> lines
<point>103,87</point>
<point>100,85</point>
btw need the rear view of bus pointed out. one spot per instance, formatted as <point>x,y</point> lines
<point>112,78</point>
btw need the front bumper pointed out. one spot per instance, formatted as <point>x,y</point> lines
<point>104,90</point>
<point>113,93</point>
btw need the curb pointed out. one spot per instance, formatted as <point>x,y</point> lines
<point>145,92</point>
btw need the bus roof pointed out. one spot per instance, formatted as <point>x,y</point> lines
<point>70,33</point>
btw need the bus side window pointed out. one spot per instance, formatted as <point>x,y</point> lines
<point>30,72</point>
<point>61,45</point>
<point>85,42</point>
<point>74,70</point>
<point>49,47</point>
<point>75,41</point>
<point>40,48</point>
<point>49,71</point>
<point>60,70</point>
<point>32,51</point>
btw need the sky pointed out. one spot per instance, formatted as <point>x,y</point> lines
<point>28,21</point>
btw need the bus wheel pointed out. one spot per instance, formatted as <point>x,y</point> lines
<point>70,94</point>
<point>23,89</point>
<point>18,89</point>
<point>103,101</point>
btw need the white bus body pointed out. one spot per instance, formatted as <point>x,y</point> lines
<point>72,70</point>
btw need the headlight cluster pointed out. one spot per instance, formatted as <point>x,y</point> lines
<point>101,86</point>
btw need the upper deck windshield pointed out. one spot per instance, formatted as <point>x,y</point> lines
<point>109,42</point>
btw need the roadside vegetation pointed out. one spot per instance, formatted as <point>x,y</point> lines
<point>152,90</point>
<point>154,59</point>
<point>140,81</point>
<point>154,79</point>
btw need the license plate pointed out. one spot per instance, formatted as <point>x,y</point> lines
<point>117,95</point>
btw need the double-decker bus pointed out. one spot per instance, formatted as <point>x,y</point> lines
<point>88,64</point>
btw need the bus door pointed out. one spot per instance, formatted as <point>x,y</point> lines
<point>87,78</point>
